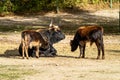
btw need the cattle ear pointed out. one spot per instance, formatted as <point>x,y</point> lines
<point>56,28</point>
<point>50,28</point>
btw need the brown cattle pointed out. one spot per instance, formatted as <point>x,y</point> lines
<point>53,35</point>
<point>31,39</point>
<point>93,34</point>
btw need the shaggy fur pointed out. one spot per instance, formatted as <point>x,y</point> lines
<point>53,34</point>
<point>32,39</point>
<point>93,34</point>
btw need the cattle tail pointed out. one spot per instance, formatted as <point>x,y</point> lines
<point>93,34</point>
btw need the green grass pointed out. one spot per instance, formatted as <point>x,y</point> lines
<point>18,28</point>
<point>12,72</point>
<point>108,28</point>
<point>111,28</point>
<point>11,28</point>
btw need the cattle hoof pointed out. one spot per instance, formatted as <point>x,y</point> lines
<point>83,56</point>
<point>23,57</point>
<point>103,57</point>
<point>37,57</point>
<point>98,57</point>
<point>52,55</point>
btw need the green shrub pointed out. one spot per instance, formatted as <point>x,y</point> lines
<point>38,5</point>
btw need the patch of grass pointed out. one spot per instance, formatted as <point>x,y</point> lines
<point>70,30</point>
<point>12,72</point>
<point>108,29</point>
<point>18,28</point>
<point>106,72</point>
<point>11,28</point>
<point>8,48</point>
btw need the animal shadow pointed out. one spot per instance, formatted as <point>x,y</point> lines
<point>10,53</point>
<point>64,56</point>
<point>76,57</point>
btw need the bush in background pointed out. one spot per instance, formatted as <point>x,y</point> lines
<point>18,6</point>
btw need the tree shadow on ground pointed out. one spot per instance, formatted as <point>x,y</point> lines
<point>114,52</point>
<point>68,22</point>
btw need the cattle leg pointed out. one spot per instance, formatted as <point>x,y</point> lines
<point>23,50</point>
<point>83,56</point>
<point>98,48</point>
<point>82,46</point>
<point>53,51</point>
<point>102,48</point>
<point>103,54</point>
<point>37,52</point>
<point>26,51</point>
<point>81,51</point>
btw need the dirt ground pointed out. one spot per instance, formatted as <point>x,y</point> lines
<point>65,66</point>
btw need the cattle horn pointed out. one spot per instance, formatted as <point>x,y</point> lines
<point>51,23</point>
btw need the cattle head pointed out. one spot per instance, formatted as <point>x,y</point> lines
<point>56,33</point>
<point>74,44</point>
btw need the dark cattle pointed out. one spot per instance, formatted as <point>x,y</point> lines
<point>32,39</point>
<point>53,35</point>
<point>88,33</point>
